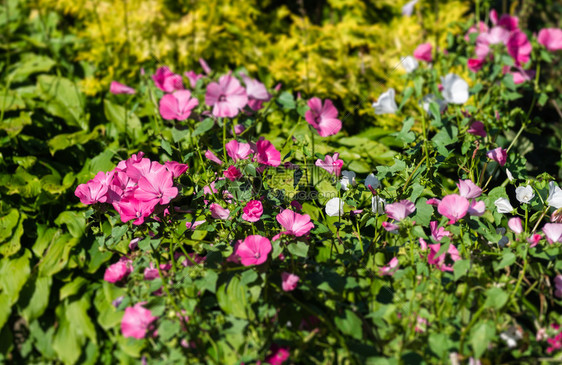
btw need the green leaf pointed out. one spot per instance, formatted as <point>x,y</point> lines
<point>446,136</point>
<point>495,298</point>
<point>124,120</point>
<point>13,275</point>
<point>168,329</point>
<point>232,298</point>
<point>63,141</point>
<point>63,99</point>
<point>10,101</point>
<point>286,100</point>
<point>350,324</point>
<point>439,343</point>
<point>12,245</point>
<point>481,336</point>
<point>405,135</point>
<point>74,221</point>
<point>7,224</point>
<point>13,126</point>
<point>424,212</point>
<point>166,147</point>
<point>179,134</point>
<point>72,288</point>
<point>208,282</point>
<point>204,126</point>
<point>29,64</point>
<point>508,258</point>
<point>298,249</point>
<point>5,308</point>
<point>460,268</point>
<point>34,297</point>
<point>56,257</point>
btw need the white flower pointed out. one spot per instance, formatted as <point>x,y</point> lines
<point>372,180</point>
<point>426,101</point>
<point>408,9</point>
<point>509,175</point>
<point>511,336</point>
<point>348,177</point>
<point>334,207</point>
<point>377,204</point>
<point>409,63</point>
<point>455,89</point>
<point>503,205</point>
<point>554,196</point>
<point>524,194</point>
<point>386,103</point>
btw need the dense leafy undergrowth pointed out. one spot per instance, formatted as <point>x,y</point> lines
<point>202,217</point>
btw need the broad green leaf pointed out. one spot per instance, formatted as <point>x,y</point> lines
<point>10,101</point>
<point>481,336</point>
<point>7,224</point>
<point>460,268</point>
<point>13,126</point>
<point>495,298</point>
<point>124,120</point>
<point>204,126</point>
<point>56,257</point>
<point>439,344</point>
<point>74,221</point>
<point>72,288</point>
<point>286,100</point>
<point>13,245</point>
<point>350,324</point>
<point>5,308</point>
<point>298,248</point>
<point>508,258</point>
<point>63,99</point>
<point>35,297</point>
<point>13,275</point>
<point>424,212</point>
<point>63,141</point>
<point>29,64</point>
<point>232,297</point>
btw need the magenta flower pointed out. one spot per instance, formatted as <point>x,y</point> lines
<point>553,232</point>
<point>289,281</point>
<point>423,52</point>
<point>193,78</point>
<point>119,88</point>
<point>256,91</point>
<point>177,105</point>
<point>433,201</point>
<point>252,211</point>
<point>191,226</point>
<point>550,38</point>
<point>475,64</point>
<point>232,173</point>
<point>177,169</point>
<point>515,225</point>
<point>558,286</point>
<point>137,321</point>
<point>499,155</point>
<point>278,356</point>
<point>267,154</point>
<point>227,97</point>
<point>454,207</point>
<point>438,233</point>
<point>324,118</point>
<point>509,22</point>
<point>390,227</point>
<point>166,80</point>
<point>92,192</point>
<point>238,151</point>
<point>519,47</point>
<point>481,28</point>
<point>294,223</point>
<point>399,210</point>
<point>253,250</point>
<point>534,239</point>
<point>468,189</point>
<point>439,262</point>
<point>477,208</point>
<point>156,187</point>
<point>211,156</point>
<point>389,269</point>
<point>219,212</point>
<point>205,66</point>
<point>332,164</point>
<point>119,270</point>
<point>132,208</point>
<point>477,129</point>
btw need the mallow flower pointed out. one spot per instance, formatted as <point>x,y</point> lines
<point>372,181</point>
<point>227,97</point>
<point>253,250</point>
<point>455,89</point>
<point>515,225</point>
<point>554,196</point>
<point>166,80</point>
<point>136,321</point>
<point>524,194</point>
<point>119,270</point>
<point>477,129</point>
<point>553,232</point>
<point>389,269</point>
<point>519,47</point>
<point>119,88</point>
<point>503,205</point>
<point>256,91</point>
<point>386,104</point>
<point>409,63</point>
<point>323,118</point>
<point>400,210</point>
<point>468,189</point>
<point>377,204</point>
<point>348,178</point>
<point>266,153</point>
<point>332,164</point>
<point>252,211</point>
<point>498,154</point>
<point>423,52</point>
<point>294,223</point>
<point>550,38</point>
<point>238,150</point>
<point>289,281</point>
<point>177,105</point>
<point>218,212</point>
<point>408,9</point>
<point>334,207</point>
<point>454,207</point>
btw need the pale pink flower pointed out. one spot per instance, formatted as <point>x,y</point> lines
<point>323,118</point>
<point>238,151</point>
<point>515,225</point>
<point>211,156</point>
<point>519,47</point>
<point>390,227</point>
<point>423,244</point>
<point>193,225</point>
<point>227,97</point>
<point>553,232</point>
<point>256,91</point>
<point>151,272</point>
<point>193,78</point>
<point>132,208</point>
<point>294,223</point>
<point>267,154</point>
<point>289,281</point>
<point>136,321</point>
<point>480,28</point>
<point>156,187</point>
<point>332,164</point>
<point>454,207</point>
<point>437,233</point>
<point>477,129</point>
<point>232,173</point>
<point>558,286</point>
<point>550,38</point>
<point>389,269</point>
<point>219,212</point>
<point>119,88</point>
<point>477,209</point>
<point>253,250</point>
<point>166,80</point>
<point>177,105</point>
<point>177,169</point>
<point>205,66</point>
<point>252,211</point>
<point>439,262</point>
<point>499,155</point>
<point>433,201</point>
<point>423,52</point>
<point>400,210</point>
<point>119,270</point>
<point>468,189</point>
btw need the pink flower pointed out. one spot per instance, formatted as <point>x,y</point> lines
<point>166,80</point>
<point>389,269</point>
<point>257,93</point>
<point>136,321</point>
<point>423,52</point>
<point>475,64</point>
<point>390,227</point>
<point>558,285</point>
<point>279,355</point>
<point>332,164</point>
<point>156,187</point>
<point>515,225</point>
<point>294,223</point>
<point>227,97</point>
<point>433,201</point>
<point>324,118</point>
<point>553,232</point>
<point>219,212</point>
<point>289,281</point>
<point>211,156</point>
<point>438,233</point>
<point>132,208</point>
<point>499,155</point>
<point>477,208</point>
<point>191,226</point>
<point>177,105</point>
<point>423,244</point>
<point>193,78</point>
<point>551,38</point>
<point>92,192</point>
<point>119,270</point>
<point>118,88</point>
<point>439,262</point>
<point>454,207</point>
<point>267,154</point>
<point>521,76</point>
<point>205,66</point>
<point>509,22</point>
<point>468,189</point>
<point>534,239</point>
<point>482,28</point>
<point>253,250</point>
<point>232,173</point>
<point>477,129</point>
<point>238,151</point>
<point>252,211</point>
<point>177,169</point>
<point>151,272</point>
<point>519,47</point>
<point>400,210</point>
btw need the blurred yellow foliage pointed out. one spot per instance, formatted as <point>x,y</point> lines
<point>342,49</point>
